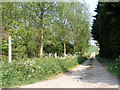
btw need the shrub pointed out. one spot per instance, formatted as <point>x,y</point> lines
<point>81,59</point>
<point>36,69</point>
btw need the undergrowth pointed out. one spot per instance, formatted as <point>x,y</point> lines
<point>28,71</point>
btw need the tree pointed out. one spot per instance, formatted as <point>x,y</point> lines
<point>39,14</point>
<point>52,26</point>
<point>79,24</point>
<point>106,29</point>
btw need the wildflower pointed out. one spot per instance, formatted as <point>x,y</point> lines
<point>29,76</point>
<point>31,64</point>
<point>38,66</point>
<point>33,70</point>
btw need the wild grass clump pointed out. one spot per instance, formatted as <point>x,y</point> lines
<point>113,67</point>
<point>32,70</point>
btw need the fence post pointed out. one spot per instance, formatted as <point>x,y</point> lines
<point>9,50</point>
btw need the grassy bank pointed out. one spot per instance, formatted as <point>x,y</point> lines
<point>32,70</point>
<point>113,67</point>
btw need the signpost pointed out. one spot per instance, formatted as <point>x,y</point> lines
<point>9,49</point>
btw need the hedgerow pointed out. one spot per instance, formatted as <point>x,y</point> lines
<point>32,70</point>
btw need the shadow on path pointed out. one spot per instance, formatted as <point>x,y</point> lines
<point>93,72</point>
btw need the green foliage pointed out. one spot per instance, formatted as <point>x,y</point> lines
<point>4,47</point>
<point>81,59</point>
<point>54,47</point>
<point>52,23</point>
<point>106,29</point>
<point>113,67</point>
<point>41,26</point>
<point>32,70</point>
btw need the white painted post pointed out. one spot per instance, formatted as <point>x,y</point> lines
<point>55,55</point>
<point>9,51</point>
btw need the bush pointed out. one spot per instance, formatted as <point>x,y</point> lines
<point>33,70</point>
<point>3,59</point>
<point>115,68</point>
<point>81,59</point>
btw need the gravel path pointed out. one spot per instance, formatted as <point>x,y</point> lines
<point>86,75</point>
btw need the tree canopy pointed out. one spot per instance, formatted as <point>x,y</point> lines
<point>106,29</point>
<point>45,27</point>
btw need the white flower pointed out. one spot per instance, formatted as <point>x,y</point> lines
<point>38,66</point>
<point>29,76</point>
<point>33,70</point>
<point>31,64</point>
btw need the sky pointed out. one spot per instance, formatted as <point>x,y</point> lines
<point>92,5</point>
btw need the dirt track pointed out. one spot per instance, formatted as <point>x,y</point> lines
<point>86,75</point>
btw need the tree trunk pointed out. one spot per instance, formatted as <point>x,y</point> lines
<point>42,31</point>
<point>64,49</point>
<point>41,44</point>
<point>74,46</point>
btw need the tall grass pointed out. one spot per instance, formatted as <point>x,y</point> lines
<point>32,70</point>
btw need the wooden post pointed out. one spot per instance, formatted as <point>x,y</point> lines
<point>9,51</point>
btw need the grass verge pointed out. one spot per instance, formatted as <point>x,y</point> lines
<point>27,71</point>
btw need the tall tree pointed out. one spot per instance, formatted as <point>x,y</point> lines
<point>38,25</point>
<point>79,23</point>
<point>38,13</point>
<point>106,29</point>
